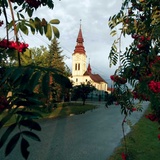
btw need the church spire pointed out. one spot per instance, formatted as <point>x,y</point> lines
<point>89,70</point>
<point>79,48</point>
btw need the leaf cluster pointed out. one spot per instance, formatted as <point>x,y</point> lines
<point>140,21</point>
<point>28,85</point>
<point>82,91</point>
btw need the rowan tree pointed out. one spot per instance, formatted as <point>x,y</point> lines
<point>139,64</point>
<point>21,79</point>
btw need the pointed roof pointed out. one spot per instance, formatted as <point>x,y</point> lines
<point>95,77</point>
<point>79,48</point>
<point>89,68</point>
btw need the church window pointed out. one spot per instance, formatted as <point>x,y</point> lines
<point>78,66</point>
<point>76,79</point>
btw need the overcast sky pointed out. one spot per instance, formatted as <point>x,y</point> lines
<point>95,30</point>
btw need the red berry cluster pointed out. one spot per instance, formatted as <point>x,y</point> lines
<point>142,43</point>
<point>154,86</point>
<point>1,23</point>
<point>134,109</point>
<point>3,103</point>
<point>31,3</point>
<point>156,60</point>
<point>34,4</point>
<point>123,156</point>
<point>152,117</point>
<point>20,47</point>
<point>118,79</point>
<point>159,136</point>
<point>137,95</point>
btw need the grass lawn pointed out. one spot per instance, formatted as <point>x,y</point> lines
<point>142,141</point>
<point>61,110</point>
<point>66,109</point>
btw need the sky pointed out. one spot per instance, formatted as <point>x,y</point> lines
<point>94,17</point>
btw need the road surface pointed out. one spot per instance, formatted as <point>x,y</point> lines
<point>90,136</point>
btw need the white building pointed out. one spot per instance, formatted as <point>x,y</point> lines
<point>81,72</point>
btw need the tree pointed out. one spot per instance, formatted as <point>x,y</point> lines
<point>140,62</point>
<point>82,91</point>
<point>23,79</point>
<point>56,61</point>
<point>52,58</point>
<point>39,56</point>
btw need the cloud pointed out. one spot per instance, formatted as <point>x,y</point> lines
<point>95,30</point>
<point>96,33</point>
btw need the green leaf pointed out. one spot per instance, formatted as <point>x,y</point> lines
<point>28,72</point>
<point>113,33</point>
<point>34,101</point>
<point>29,11</point>
<point>27,114</point>
<point>50,4</point>
<point>45,84</point>
<point>5,119</point>
<point>31,135</point>
<point>49,32</point>
<point>30,124</point>
<point>41,30</point>
<point>22,16</point>
<point>7,74</point>
<point>6,134</point>
<point>10,25</point>
<point>54,21</point>
<point>24,59</point>
<point>56,31</point>
<point>12,143</point>
<point>15,7</point>
<point>27,53</point>
<point>23,28</point>
<point>17,27</point>
<point>24,147</point>
<point>37,23</point>
<point>32,26</point>
<point>34,80</point>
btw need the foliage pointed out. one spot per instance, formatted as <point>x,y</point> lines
<point>111,98</point>
<point>56,61</point>
<point>22,84</point>
<point>82,91</point>
<point>52,58</point>
<point>140,62</point>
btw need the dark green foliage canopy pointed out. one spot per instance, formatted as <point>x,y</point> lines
<point>82,91</point>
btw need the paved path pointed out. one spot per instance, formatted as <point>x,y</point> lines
<point>90,136</point>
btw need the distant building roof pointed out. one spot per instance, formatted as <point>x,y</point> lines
<point>110,89</point>
<point>95,77</point>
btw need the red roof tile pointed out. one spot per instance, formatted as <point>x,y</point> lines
<point>95,77</point>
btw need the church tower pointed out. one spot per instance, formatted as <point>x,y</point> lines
<point>79,56</point>
<point>81,73</point>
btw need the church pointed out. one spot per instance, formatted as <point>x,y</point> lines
<point>82,72</point>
